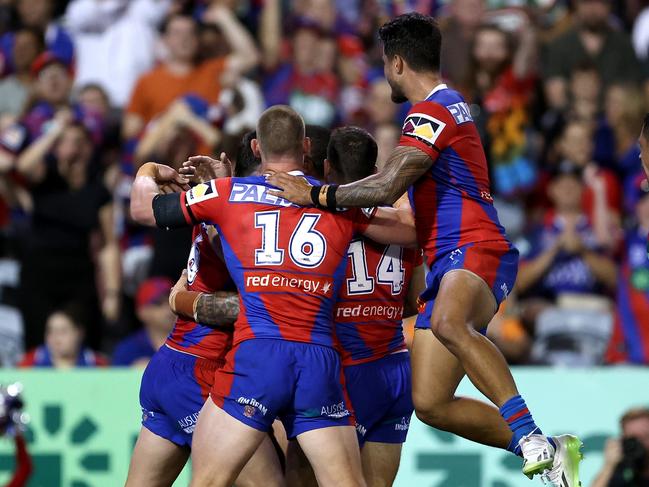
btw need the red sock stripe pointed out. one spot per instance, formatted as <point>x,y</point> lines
<point>517,415</point>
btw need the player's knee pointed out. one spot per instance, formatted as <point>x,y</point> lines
<point>428,408</point>
<point>448,330</point>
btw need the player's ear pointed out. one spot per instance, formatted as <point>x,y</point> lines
<point>254,145</point>
<point>326,170</point>
<point>375,169</point>
<point>306,145</point>
<point>398,63</point>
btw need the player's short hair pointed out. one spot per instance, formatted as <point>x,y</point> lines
<point>352,153</point>
<point>246,162</point>
<point>633,414</point>
<point>320,137</point>
<point>280,132</point>
<point>645,127</point>
<point>414,37</point>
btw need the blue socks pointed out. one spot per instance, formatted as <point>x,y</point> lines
<point>520,421</point>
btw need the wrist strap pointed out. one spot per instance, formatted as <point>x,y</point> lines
<point>331,196</point>
<point>315,195</point>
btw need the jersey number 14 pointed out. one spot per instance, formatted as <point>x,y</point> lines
<point>389,272</point>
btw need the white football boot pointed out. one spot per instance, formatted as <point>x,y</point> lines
<point>538,454</point>
<point>565,468</point>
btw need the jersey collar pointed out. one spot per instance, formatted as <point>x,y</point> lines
<point>441,86</point>
<point>296,172</point>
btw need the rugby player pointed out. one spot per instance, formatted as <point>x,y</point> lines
<point>180,375</point>
<point>472,264</point>
<point>368,328</point>
<point>282,363</point>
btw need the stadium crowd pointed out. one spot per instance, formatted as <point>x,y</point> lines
<point>92,89</point>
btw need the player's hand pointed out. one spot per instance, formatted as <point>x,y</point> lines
<point>166,176</point>
<point>200,169</point>
<point>181,285</point>
<point>613,452</point>
<point>293,188</point>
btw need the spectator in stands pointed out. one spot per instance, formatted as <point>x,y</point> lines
<point>630,341</point>
<point>458,32</point>
<point>63,347</point>
<point>501,82</point>
<point>52,92</point>
<point>115,42</point>
<point>562,254</point>
<point>379,105</point>
<point>602,198</point>
<point>387,137</point>
<point>70,202</point>
<point>179,73</point>
<point>352,68</point>
<point>152,308</point>
<point>298,81</point>
<point>625,109</point>
<point>593,39</point>
<point>15,88</point>
<point>38,15</point>
<point>626,459</point>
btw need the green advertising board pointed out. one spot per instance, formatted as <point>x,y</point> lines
<point>84,424</point>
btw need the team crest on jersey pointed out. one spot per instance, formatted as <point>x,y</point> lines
<point>194,261</point>
<point>202,192</point>
<point>249,411</point>
<point>423,127</point>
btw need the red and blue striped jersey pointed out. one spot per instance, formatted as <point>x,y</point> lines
<point>452,201</point>
<point>632,319</point>
<point>206,273</point>
<point>288,262</point>
<point>371,302</point>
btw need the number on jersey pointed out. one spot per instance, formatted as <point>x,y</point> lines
<point>389,272</point>
<point>307,246</point>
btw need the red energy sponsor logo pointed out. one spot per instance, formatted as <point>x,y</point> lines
<point>369,312</point>
<point>272,281</point>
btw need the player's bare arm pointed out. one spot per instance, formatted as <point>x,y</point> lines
<point>392,226</point>
<point>212,309</point>
<point>403,168</point>
<point>149,182</point>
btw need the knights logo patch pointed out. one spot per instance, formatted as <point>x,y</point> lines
<point>202,192</point>
<point>423,127</point>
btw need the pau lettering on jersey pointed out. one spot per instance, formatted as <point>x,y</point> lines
<point>248,401</point>
<point>373,312</point>
<point>335,410</point>
<point>188,423</point>
<point>461,112</point>
<point>256,193</point>
<point>270,281</point>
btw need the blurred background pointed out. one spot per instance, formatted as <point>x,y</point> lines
<point>91,89</point>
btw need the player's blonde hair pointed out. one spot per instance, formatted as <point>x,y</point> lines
<point>280,132</point>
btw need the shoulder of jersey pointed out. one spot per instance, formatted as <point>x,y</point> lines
<point>202,192</point>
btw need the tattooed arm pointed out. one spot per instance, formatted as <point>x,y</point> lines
<point>403,168</point>
<point>216,309</point>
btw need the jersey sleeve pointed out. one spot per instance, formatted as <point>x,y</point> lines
<point>205,202</point>
<point>428,127</point>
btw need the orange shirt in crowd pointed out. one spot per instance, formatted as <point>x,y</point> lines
<point>159,88</point>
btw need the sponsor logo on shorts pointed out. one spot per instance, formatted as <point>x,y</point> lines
<point>362,430</point>
<point>337,410</point>
<point>403,425</point>
<point>377,312</point>
<point>251,405</point>
<point>505,290</point>
<point>188,423</point>
<point>270,281</point>
<point>455,256</point>
<point>147,414</point>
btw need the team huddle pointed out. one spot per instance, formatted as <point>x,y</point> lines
<point>300,272</point>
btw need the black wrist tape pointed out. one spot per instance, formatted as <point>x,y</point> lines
<point>315,192</point>
<point>331,196</point>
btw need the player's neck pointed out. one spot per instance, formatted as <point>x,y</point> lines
<point>421,86</point>
<point>281,164</point>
